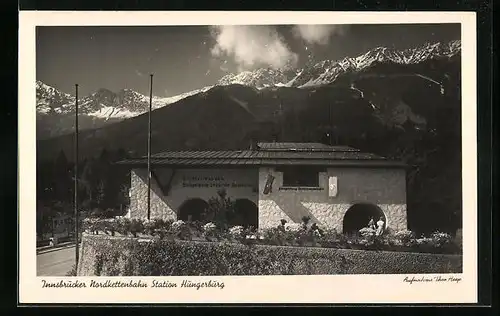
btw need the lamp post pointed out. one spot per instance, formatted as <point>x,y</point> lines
<point>149,143</point>
<point>76,176</point>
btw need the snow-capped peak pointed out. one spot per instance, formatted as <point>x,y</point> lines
<point>327,71</point>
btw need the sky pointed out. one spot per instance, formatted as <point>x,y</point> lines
<point>184,58</point>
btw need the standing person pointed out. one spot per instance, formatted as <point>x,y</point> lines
<point>281,226</point>
<point>380,226</point>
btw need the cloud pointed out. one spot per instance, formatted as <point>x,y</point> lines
<point>318,34</point>
<point>140,74</point>
<point>252,46</point>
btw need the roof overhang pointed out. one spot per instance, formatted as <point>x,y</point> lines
<point>249,163</point>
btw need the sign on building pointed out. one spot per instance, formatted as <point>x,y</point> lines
<point>332,186</point>
<point>268,188</point>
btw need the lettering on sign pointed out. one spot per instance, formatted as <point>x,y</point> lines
<point>212,182</point>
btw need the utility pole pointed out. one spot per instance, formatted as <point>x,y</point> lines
<point>149,143</point>
<point>282,128</point>
<point>76,177</point>
<point>331,124</point>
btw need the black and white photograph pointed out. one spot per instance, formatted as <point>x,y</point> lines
<point>249,150</point>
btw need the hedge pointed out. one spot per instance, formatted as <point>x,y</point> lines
<point>290,234</point>
<point>125,256</point>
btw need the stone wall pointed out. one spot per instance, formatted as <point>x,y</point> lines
<point>239,184</point>
<point>385,188</point>
<point>103,255</point>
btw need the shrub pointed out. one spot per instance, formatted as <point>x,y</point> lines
<point>164,227</point>
<point>237,233</point>
<point>272,236</point>
<point>369,236</point>
<point>289,234</point>
<point>97,213</point>
<point>403,237</point>
<point>123,225</point>
<point>180,230</point>
<point>441,239</point>
<point>110,226</point>
<point>90,225</point>
<point>109,256</point>
<point>151,225</point>
<point>220,209</point>
<point>210,231</point>
<point>196,228</point>
<point>136,226</point>
<point>178,224</point>
<point>367,232</point>
<point>330,239</point>
<point>293,227</point>
<point>285,234</point>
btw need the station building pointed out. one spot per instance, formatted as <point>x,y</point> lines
<point>336,186</point>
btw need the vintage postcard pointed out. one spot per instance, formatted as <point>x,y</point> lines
<point>247,157</point>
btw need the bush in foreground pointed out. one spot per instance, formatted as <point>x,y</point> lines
<point>286,234</point>
<point>115,256</point>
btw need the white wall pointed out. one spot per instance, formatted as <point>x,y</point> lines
<point>383,187</point>
<point>239,183</point>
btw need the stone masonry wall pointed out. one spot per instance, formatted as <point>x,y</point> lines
<point>385,188</point>
<point>239,184</point>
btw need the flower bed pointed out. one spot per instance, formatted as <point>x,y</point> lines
<point>285,234</point>
<point>105,255</point>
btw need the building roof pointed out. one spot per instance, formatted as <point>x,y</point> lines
<point>303,147</point>
<point>269,154</point>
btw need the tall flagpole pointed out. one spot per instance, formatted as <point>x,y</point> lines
<point>282,128</point>
<point>331,124</point>
<point>149,144</point>
<point>76,175</point>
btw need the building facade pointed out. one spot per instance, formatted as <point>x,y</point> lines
<point>337,187</point>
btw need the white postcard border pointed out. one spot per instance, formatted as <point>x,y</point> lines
<point>245,289</point>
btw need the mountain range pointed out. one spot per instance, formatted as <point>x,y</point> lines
<point>404,105</point>
<point>55,109</point>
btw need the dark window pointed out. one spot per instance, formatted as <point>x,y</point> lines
<point>300,177</point>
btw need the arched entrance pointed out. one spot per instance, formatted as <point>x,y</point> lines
<point>358,216</point>
<point>246,214</point>
<point>192,209</point>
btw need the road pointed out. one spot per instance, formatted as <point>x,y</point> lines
<point>55,262</point>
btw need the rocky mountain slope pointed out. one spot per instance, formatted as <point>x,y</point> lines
<point>327,71</point>
<point>404,105</point>
<point>55,109</point>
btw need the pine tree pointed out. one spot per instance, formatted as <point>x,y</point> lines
<point>89,178</point>
<point>62,178</point>
<point>100,195</point>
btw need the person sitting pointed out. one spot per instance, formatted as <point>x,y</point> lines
<point>371,224</point>
<point>380,226</point>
